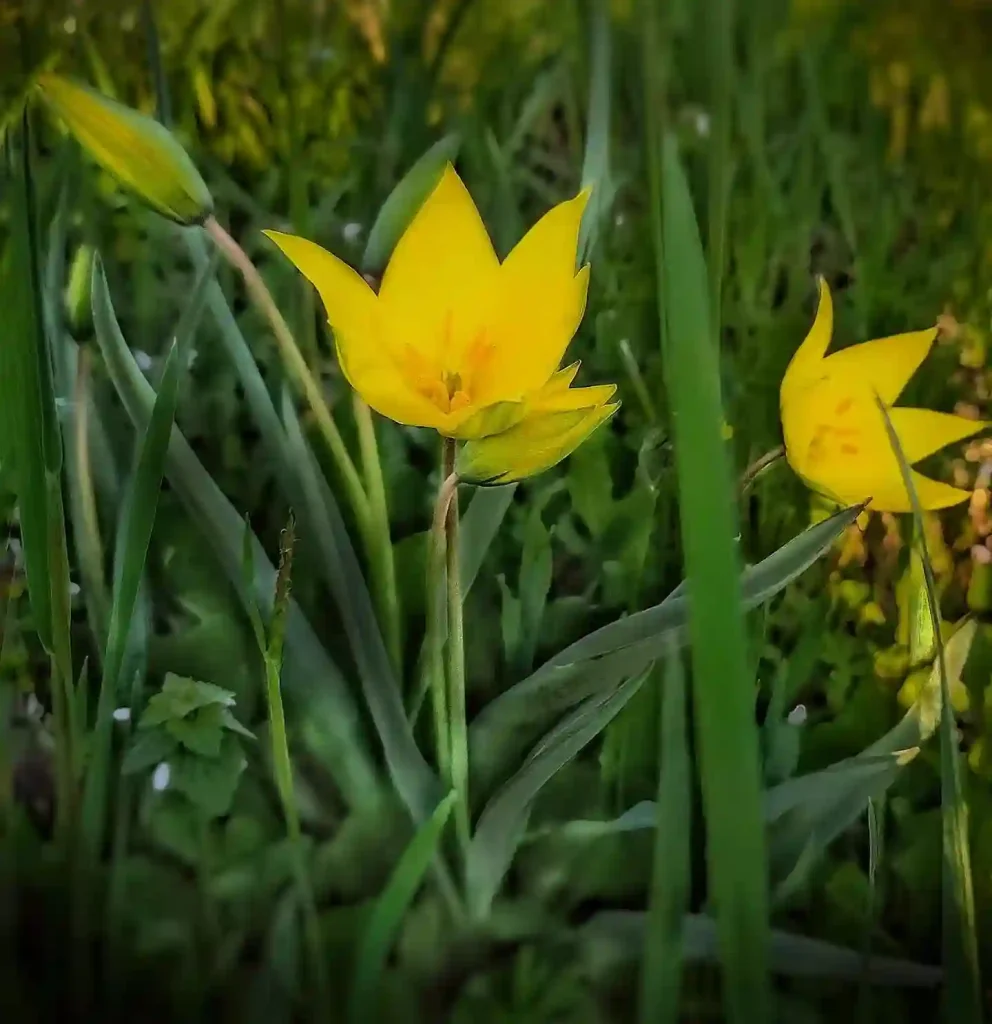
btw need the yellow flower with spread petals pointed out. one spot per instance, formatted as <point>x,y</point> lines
<point>835,435</point>
<point>458,341</point>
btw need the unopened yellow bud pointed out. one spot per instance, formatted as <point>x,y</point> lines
<point>138,151</point>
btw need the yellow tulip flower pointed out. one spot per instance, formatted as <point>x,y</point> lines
<point>460,342</point>
<point>835,436</point>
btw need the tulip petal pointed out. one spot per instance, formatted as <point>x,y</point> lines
<point>891,495</point>
<point>542,300</point>
<point>922,432</point>
<point>885,364</point>
<point>553,399</point>
<point>363,347</point>
<point>532,446</point>
<point>806,364</point>
<point>440,282</point>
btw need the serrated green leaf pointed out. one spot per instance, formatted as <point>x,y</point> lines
<point>200,732</point>
<point>209,783</point>
<point>147,750</point>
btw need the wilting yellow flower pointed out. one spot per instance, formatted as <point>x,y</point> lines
<point>835,436</point>
<point>457,341</point>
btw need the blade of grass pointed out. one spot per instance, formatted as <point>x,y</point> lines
<point>404,201</point>
<point>963,989</point>
<point>138,520</point>
<point>719,16</point>
<point>728,736</point>
<point>503,821</point>
<point>617,935</point>
<point>410,773</point>
<point>389,910</point>
<point>671,875</point>
<point>308,667</point>
<point>596,163</point>
<point>601,659</point>
<point>34,446</point>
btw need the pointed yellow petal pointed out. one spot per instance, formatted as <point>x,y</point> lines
<point>542,300</point>
<point>892,496</point>
<point>553,399</point>
<point>807,362</point>
<point>885,364</point>
<point>532,446</point>
<point>440,282</point>
<point>493,419</point>
<point>563,378</point>
<point>363,347</point>
<point>922,432</point>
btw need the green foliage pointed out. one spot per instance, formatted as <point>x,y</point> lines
<point>284,878</point>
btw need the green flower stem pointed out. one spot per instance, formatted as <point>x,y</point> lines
<point>381,554</point>
<point>458,725</point>
<point>295,363</point>
<point>435,611</point>
<point>283,770</point>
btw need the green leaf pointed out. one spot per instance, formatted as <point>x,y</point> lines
<point>963,992</point>
<point>596,164</point>
<point>611,937</point>
<point>503,820</point>
<point>200,732</point>
<point>33,446</point>
<point>209,783</point>
<point>410,773</point>
<point>478,528</point>
<point>608,655</point>
<point>723,698</point>
<point>390,909</point>
<point>308,670</point>
<point>137,522</point>
<point>180,697</point>
<point>147,750</point>
<point>671,876</point>
<point>404,201</point>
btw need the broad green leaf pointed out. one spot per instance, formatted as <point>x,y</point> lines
<point>404,201</point>
<point>208,782</point>
<point>390,909</point>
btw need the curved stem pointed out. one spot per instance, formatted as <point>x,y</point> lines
<point>294,362</point>
<point>758,467</point>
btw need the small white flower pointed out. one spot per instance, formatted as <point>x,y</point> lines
<point>351,231</point>
<point>122,715</point>
<point>161,776</point>
<point>144,360</point>
<point>69,25</point>
<point>702,124</point>
<point>33,707</point>
<point>73,589</point>
<point>797,716</point>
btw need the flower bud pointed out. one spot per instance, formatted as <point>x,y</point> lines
<point>138,151</point>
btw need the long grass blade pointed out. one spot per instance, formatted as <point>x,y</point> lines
<point>724,701</point>
<point>138,520</point>
<point>671,874</point>
<point>963,989</point>
<point>596,163</point>
<point>390,909</point>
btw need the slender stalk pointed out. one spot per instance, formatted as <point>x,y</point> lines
<point>383,564</point>
<point>294,362</point>
<point>758,467</point>
<point>457,718</point>
<point>283,768</point>
<point>435,622</point>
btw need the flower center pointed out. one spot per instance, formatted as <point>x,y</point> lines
<point>450,380</point>
<point>840,436</point>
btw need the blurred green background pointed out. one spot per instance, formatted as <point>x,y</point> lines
<point>860,148</point>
